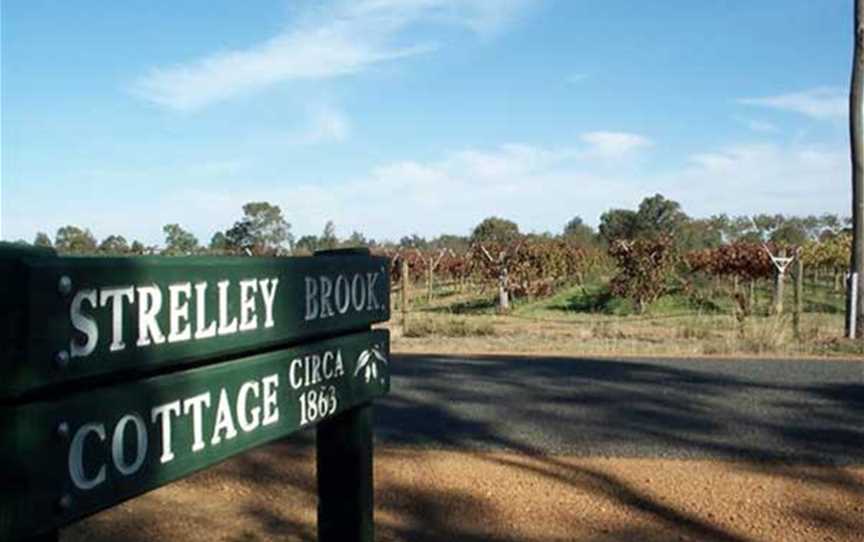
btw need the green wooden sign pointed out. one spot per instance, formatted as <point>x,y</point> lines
<point>65,458</point>
<point>68,319</point>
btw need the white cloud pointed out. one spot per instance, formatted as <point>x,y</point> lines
<point>576,78</point>
<point>342,39</point>
<point>540,187</point>
<point>766,177</point>
<point>480,16</point>
<point>758,126</point>
<point>325,125</point>
<point>613,144</point>
<point>822,103</point>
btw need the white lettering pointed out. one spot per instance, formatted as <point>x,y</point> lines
<point>316,368</point>
<point>340,368</point>
<point>342,294</point>
<point>311,298</point>
<point>248,317</point>
<point>245,423</point>
<point>149,305</point>
<point>326,292</point>
<point>224,421</point>
<point>179,315</point>
<point>238,310</point>
<point>196,404</point>
<point>271,409</point>
<point>116,296</point>
<point>371,301</point>
<point>202,329</point>
<point>358,292</point>
<point>84,324</point>
<point>328,356</point>
<point>225,327</point>
<point>165,411</point>
<point>296,383</point>
<point>268,292</point>
<point>128,469</point>
<point>76,457</point>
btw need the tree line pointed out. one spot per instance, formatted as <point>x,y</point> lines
<point>263,230</point>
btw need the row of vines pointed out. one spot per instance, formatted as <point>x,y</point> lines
<point>531,269</point>
<point>637,269</point>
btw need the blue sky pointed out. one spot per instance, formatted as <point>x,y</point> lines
<point>417,116</point>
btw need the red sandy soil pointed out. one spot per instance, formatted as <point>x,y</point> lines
<point>422,495</point>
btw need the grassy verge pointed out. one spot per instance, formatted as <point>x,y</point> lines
<point>588,320</point>
<point>425,326</point>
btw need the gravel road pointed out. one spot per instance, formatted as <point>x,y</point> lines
<point>799,411</point>
<point>528,449</point>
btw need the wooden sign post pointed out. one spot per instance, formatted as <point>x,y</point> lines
<point>118,376</point>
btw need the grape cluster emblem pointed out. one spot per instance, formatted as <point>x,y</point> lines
<point>368,362</point>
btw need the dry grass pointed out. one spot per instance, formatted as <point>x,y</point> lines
<point>771,334</point>
<point>698,329</point>
<point>585,320</point>
<point>425,326</point>
<point>604,335</point>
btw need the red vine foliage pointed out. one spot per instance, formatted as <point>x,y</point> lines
<point>532,267</point>
<point>744,260</point>
<point>644,269</point>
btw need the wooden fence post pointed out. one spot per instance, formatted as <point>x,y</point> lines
<point>752,295</point>
<point>779,279</point>
<point>429,279</point>
<point>852,282</point>
<point>799,296</point>
<point>404,294</point>
<point>503,293</point>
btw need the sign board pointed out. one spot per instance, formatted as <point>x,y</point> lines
<point>69,319</point>
<point>69,456</point>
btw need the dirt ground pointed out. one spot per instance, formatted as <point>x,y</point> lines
<point>423,495</point>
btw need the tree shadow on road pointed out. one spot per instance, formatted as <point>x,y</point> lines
<point>632,409</point>
<point>622,408</point>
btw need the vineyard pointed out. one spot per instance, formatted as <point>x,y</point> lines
<point>525,269</point>
<point>730,290</point>
<point>642,270</point>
